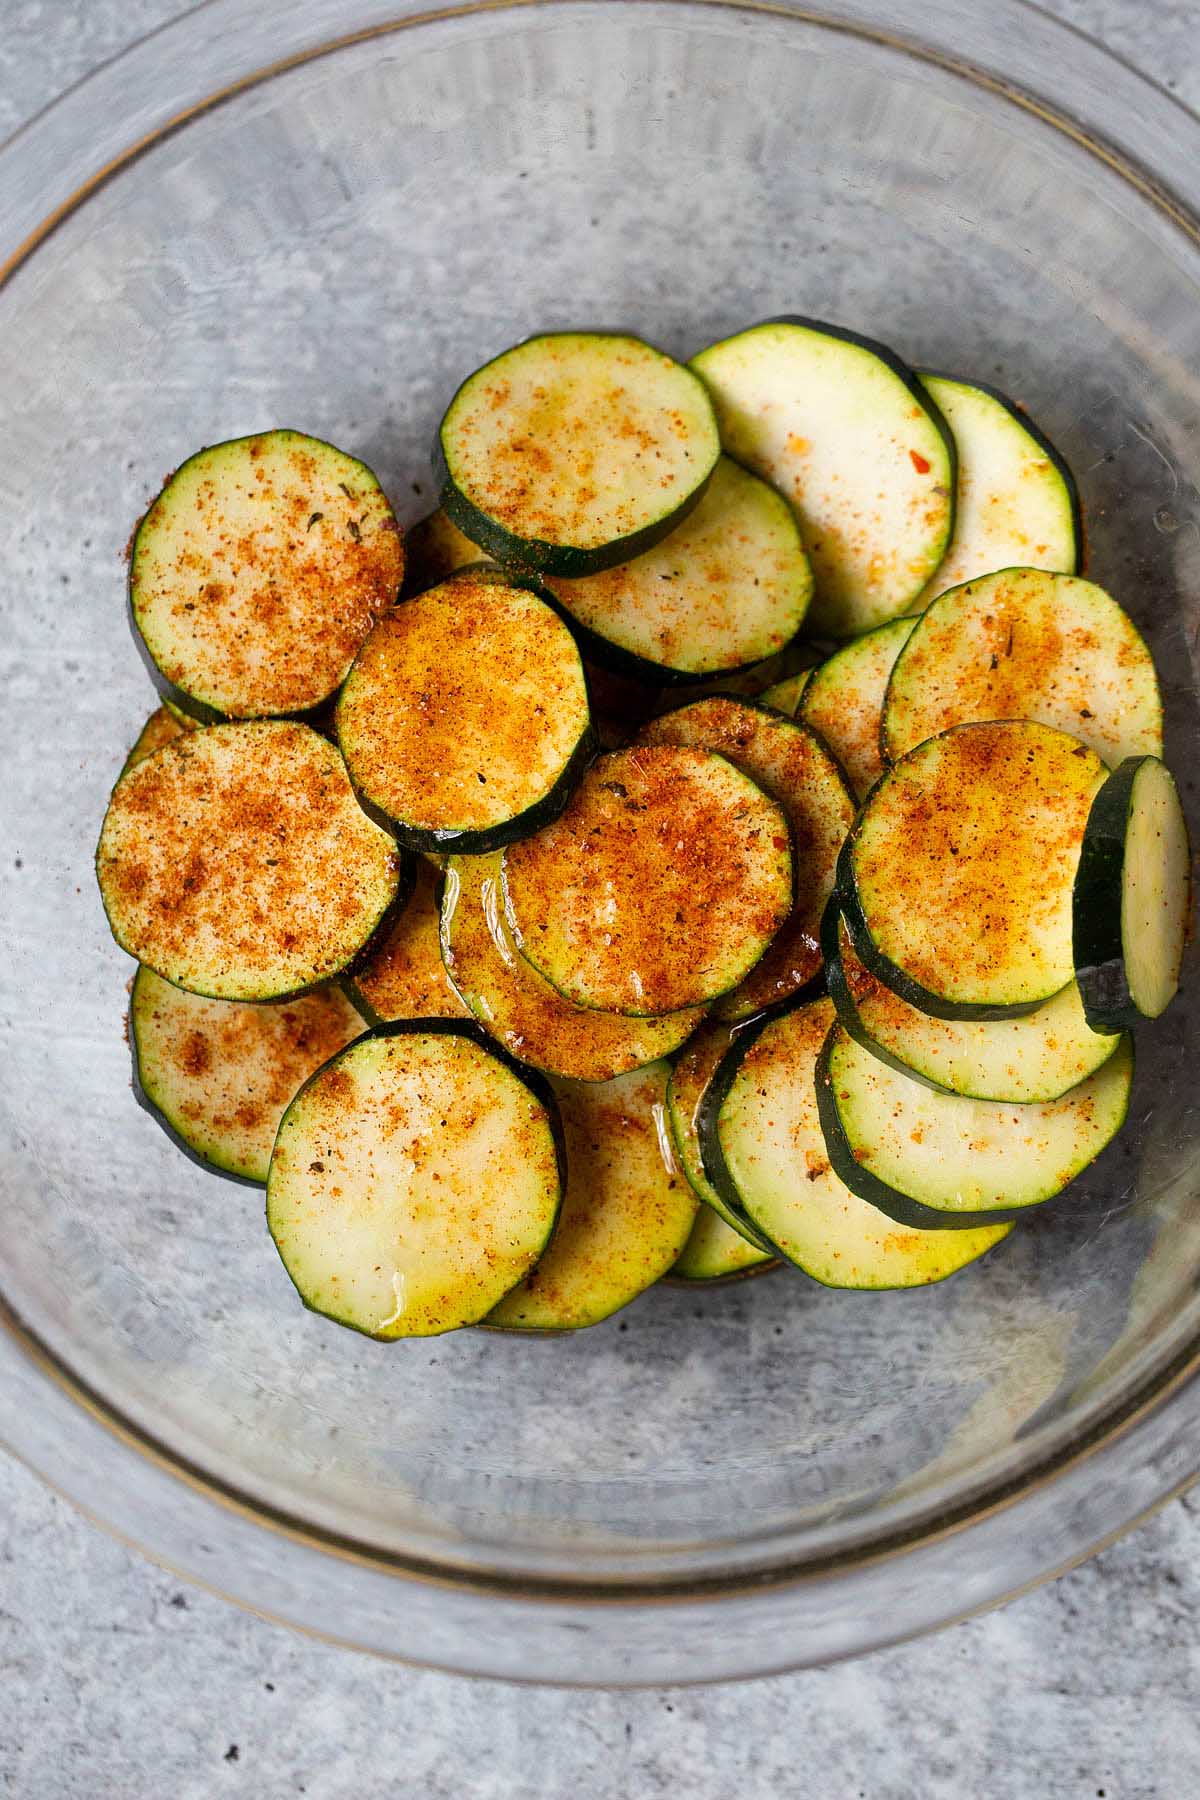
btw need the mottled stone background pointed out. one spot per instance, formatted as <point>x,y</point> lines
<point>115,1681</point>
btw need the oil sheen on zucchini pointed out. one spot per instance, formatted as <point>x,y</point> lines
<point>956,881</point>
<point>846,433</point>
<point>1132,896</point>
<point>659,888</point>
<point>791,764</point>
<point>575,451</point>
<point>1024,644</point>
<point>763,1139</point>
<point>1035,1056</point>
<point>404,976</point>
<point>236,862</point>
<point>464,721</point>
<point>519,1008</point>
<point>728,588</point>
<point>415,1179</point>
<point>627,1212</point>
<point>257,573</point>
<point>219,1074</point>
<point>929,1159</point>
<point>1018,505</point>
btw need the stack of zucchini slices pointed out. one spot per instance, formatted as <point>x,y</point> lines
<point>538,915</point>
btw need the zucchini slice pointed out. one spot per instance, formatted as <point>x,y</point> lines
<point>218,1075</point>
<point>660,887</point>
<point>690,1075</point>
<point>929,1159</point>
<point>729,587</point>
<point>1017,499</point>
<point>843,701</point>
<point>1133,896</point>
<point>1023,644</point>
<point>956,880</point>
<point>846,433</point>
<point>416,1178</point>
<point>1037,1056</point>
<point>627,1213</point>
<point>715,1252</point>
<point>575,451</point>
<point>791,764</point>
<point>785,695</point>
<point>257,573</point>
<point>519,1007</point>
<point>464,721</point>
<point>404,976</point>
<point>762,1137</point>
<point>434,550</point>
<point>158,730</point>
<point>236,862</point>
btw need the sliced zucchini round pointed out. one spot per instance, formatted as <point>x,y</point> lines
<point>715,1252</point>
<point>416,1178</point>
<point>785,696</point>
<point>1133,897</point>
<point>519,1007</point>
<point>1023,644</point>
<point>791,764</point>
<point>956,880</point>
<point>1037,1056</point>
<point>763,1140</point>
<point>464,721</point>
<point>404,976</point>
<point>846,433</point>
<point>1017,500</point>
<point>434,550</point>
<point>236,862</point>
<point>158,730</point>
<point>257,573</point>
<point>627,1213</point>
<point>929,1159</point>
<point>691,1073</point>
<point>729,587</point>
<point>843,700</point>
<point>218,1075</point>
<point>659,888</point>
<point>575,451</point>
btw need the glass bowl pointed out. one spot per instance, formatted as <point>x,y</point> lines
<point>323,214</point>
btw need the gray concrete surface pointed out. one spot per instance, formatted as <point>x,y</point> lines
<point>115,1680</point>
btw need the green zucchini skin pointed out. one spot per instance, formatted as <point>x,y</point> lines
<point>906,1211</point>
<point>538,554</point>
<point>1099,949</point>
<point>699,1262</point>
<point>712,1154</point>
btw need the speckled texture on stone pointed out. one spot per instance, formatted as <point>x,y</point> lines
<point>115,1680</point>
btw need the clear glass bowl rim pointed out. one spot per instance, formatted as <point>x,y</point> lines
<point>1091,1485</point>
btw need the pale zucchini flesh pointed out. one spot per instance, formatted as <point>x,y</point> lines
<point>627,1212</point>
<point>575,451</point>
<point>956,882</point>
<point>729,587</point>
<point>1017,501</point>
<point>236,862</point>
<point>786,695</point>
<point>257,573</point>
<point>766,1134</point>
<point>404,976</point>
<point>691,1073</point>
<point>1024,644</point>
<point>415,1180</point>
<point>1036,1056</point>
<point>927,1158</point>
<point>848,435</point>
<point>1133,895</point>
<point>843,700</point>
<point>518,1007</point>
<point>659,887</point>
<point>220,1074</point>
<point>791,764</point>
<point>715,1252</point>
<point>464,721</point>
